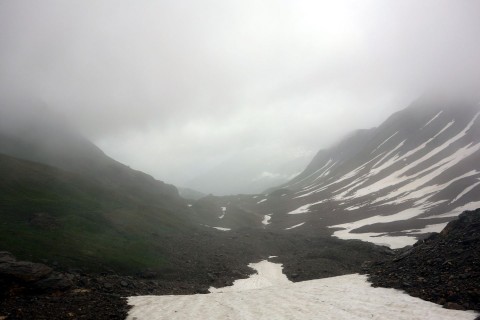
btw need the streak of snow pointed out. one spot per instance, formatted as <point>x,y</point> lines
<point>347,176</point>
<point>404,194</point>
<point>399,176</point>
<point>389,153</point>
<point>353,208</point>
<point>464,192</point>
<point>311,175</point>
<point>218,228</point>
<point>295,226</point>
<point>222,229</point>
<point>263,200</point>
<point>455,212</point>
<point>326,171</point>
<point>423,145</point>
<point>431,120</point>
<point>428,229</point>
<point>385,141</point>
<point>393,242</point>
<point>355,171</point>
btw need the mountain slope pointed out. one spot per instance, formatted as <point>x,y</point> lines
<point>63,199</point>
<point>48,213</point>
<point>388,184</point>
<point>42,137</point>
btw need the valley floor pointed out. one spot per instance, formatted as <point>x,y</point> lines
<point>270,295</point>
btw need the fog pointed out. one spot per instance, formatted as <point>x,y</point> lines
<point>220,95</point>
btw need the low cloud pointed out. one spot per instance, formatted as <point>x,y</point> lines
<point>178,88</point>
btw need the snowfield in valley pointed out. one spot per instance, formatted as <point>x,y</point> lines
<point>270,295</point>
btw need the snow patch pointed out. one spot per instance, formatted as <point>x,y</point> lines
<point>263,200</point>
<point>341,298</point>
<point>224,211</point>
<point>266,219</point>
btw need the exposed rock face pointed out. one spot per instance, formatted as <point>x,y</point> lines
<point>443,268</point>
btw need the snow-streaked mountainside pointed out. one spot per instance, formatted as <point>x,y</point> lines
<point>387,185</point>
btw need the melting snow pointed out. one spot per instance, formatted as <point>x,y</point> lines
<point>270,295</point>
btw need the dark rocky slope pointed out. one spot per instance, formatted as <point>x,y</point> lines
<point>443,268</point>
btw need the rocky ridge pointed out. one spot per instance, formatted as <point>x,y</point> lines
<point>443,268</point>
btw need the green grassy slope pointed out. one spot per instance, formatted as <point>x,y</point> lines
<point>48,213</point>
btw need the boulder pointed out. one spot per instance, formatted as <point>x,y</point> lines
<point>22,270</point>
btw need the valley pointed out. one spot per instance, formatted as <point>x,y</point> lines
<point>110,232</point>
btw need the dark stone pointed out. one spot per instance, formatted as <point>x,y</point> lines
<point>202,290</point>
<point>56,281</point>
<point>23,270</point>
<point>454,306</point>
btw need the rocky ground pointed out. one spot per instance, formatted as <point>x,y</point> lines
<point>37,291</point>
<point>443,268</point>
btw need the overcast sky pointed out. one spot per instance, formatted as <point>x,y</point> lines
<point>176,88</point>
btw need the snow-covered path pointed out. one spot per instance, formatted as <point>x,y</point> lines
<point>271,296</point>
